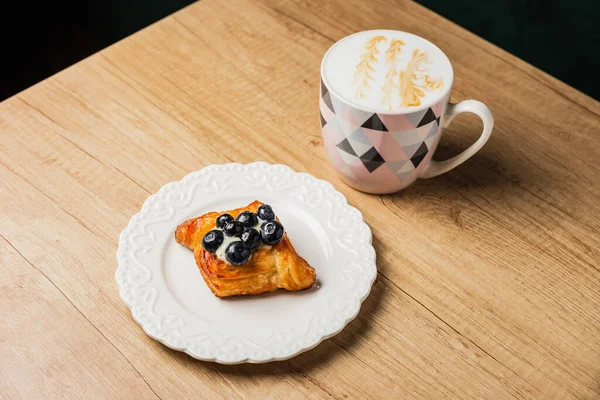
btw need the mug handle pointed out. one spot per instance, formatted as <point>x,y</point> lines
<point>436,168</point>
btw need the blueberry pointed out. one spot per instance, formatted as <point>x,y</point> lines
<point>237,253</point>
<point>212,240</point>
<point>251,238</point>
<point>223,219</point>
<point>271,232</point>
<point>233,228</point>
<point>248,218</point>
<point>265,212</point>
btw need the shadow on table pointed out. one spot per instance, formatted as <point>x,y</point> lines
<point>483,171</point>
<point>327,351</point>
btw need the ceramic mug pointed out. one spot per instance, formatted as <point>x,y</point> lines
<point>384,103</point>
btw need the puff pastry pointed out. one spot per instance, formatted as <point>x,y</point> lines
<point>269,268</point>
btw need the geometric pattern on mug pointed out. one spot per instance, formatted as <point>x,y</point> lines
<point>368,141</point>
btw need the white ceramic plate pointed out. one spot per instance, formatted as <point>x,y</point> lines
<point>159,281</point>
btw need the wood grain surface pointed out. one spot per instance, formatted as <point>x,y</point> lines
<point>489,276</point>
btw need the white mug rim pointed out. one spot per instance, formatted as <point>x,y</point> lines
<point>409,110</point>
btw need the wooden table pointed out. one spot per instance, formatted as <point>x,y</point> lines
<point>489,276</point>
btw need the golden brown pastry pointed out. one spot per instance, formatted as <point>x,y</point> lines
<point>269,267</point>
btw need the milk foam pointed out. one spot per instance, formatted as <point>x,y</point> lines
<point>387,71</point>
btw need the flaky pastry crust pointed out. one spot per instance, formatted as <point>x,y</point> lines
<point>269,268</point>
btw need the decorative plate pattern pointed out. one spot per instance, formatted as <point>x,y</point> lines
<point>159,281</point>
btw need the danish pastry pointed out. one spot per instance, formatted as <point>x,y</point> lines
<point>244,251</point>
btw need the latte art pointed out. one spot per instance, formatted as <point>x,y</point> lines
<point>386,70</point>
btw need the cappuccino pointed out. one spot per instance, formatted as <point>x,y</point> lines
<point>387,71</point>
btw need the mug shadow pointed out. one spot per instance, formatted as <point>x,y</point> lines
<point>481,172</point>
<point>325,352</point>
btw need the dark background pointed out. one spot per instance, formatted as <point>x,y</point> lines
<point>560,37</point>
